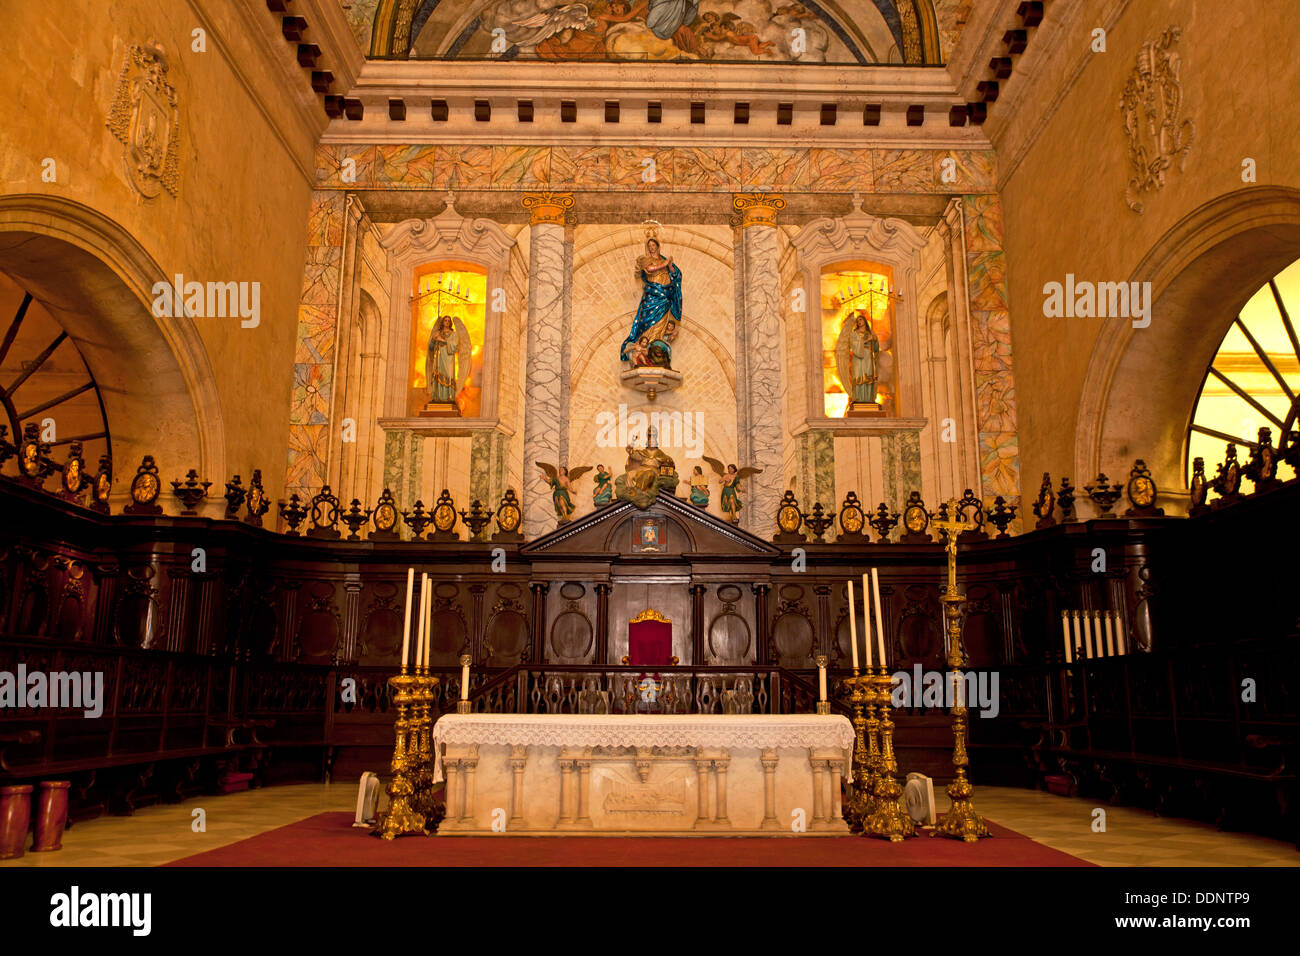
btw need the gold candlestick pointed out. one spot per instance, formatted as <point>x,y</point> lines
<point>423,800</point>
<point>858,805</point>
<point>402,818</point>
<point>961,822</point>
<point>889,819</point>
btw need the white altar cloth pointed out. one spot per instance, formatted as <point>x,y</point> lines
<point>621,773</point>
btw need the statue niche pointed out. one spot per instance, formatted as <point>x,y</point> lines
<point>648,348</point>
<point>448,316</point>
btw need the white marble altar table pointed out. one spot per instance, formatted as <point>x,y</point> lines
<point>650,774</point>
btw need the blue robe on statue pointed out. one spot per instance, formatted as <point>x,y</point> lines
<point>657,299</point>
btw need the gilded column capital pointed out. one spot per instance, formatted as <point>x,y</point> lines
<point>547,207</point>
<point>757,209</point>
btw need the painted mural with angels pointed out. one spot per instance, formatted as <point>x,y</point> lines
<point>718,30</point>
<point>847,32</point>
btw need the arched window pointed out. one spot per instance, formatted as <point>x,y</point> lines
<point>44,380</point>
<point>1253,381</point>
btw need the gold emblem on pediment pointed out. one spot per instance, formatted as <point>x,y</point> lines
<point>1158,136</point>
<point>145,118</point>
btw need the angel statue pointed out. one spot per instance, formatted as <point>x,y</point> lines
<point>857,356</point>
<point>561,483</point>
<point>602,493</point>
<point>731,477</point>
<point>699,488</point>
<point>649,342</point>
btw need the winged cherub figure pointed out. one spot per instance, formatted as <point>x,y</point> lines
<point>731,477</point>
<point>561,482</point>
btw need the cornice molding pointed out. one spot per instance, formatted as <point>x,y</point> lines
<point>676,86</point>
<point>255,19</point>
<point>1029,101</point>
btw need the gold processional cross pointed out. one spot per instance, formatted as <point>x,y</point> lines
<point>961,822</point>
<point>952,529</point>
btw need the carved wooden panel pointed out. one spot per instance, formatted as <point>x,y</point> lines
<point>380,637</point>
<point>572,637</point>
<point>138,620</point>
<point>730,635</point>
<point>34,604</point>
<point>793,638</point>
<point>505,638</point>
<point>319,629</point>
<point>920,629</point>
<point>70,618</point>
<point>449,632</point>
<point>982,632</point>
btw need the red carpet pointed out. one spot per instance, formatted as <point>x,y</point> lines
<point>328,839</point>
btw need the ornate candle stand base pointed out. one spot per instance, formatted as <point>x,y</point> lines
<point>423,800</point>
<point>857,806</point>
<point>402,818</point>
<point>890,819</point>
<point>961,822</point>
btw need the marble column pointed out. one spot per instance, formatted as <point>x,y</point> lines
<point>546,413</point>
<point>759,310</point>
<point>518,761</point>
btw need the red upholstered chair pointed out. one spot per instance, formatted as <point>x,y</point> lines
<point>649,644</point>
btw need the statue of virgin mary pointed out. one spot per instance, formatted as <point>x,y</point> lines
<point>661,306</point>
<point>440,361</point>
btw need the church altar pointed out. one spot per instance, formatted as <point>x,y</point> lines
<point>542,774</point>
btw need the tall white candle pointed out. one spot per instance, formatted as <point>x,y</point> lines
<point>464,677</point>
<point>853,625</point>
<point>1110,638</point>
<point>428,626</point>
<point>821,682</point>
<point>866,619</point>
<point>1087,633</point>
<point>419,627</point>
<point>406,627</point>
<point>1065,632</point>
<point>1078,640</point>
<point>1121,639</point>
<point>880,625</point>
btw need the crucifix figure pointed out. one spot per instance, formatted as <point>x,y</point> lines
<point>961,821</point>
<point>952,529</point>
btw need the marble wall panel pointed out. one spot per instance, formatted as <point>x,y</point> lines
<point>840,169</point>
<point>995,390</point>
<point>903,170</point>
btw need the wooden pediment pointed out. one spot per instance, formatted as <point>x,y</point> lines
<point>670,526</point>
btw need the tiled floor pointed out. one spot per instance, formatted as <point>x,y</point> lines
<point>1132,837</point>
<point>163,833</point>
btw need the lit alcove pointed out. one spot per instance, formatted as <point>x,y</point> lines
<point>448,324</point>
<point>857,340</point>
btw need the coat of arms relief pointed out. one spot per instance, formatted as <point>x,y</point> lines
<point>145,118</point>
<point>1151,103</point>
